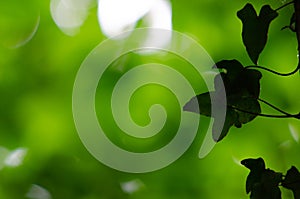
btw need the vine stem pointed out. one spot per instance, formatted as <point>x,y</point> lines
<point>274,72</point>
<point>284,5</point>
<point>274,107</point>
<point>297,116</point>
<point>285,114</point>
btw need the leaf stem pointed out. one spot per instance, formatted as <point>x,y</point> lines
<point>274,107</point>
<point>297,116</point>
<point>284,5</point>
<point>297,29</point>
<point>275,72</point>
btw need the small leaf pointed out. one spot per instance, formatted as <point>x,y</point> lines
<point>292,181</point>
<point>255,28</point>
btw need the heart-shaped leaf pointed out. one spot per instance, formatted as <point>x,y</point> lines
<point>255,28</point>
<point>242,90</point>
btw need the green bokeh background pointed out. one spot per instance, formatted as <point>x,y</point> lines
<point>36,82</point>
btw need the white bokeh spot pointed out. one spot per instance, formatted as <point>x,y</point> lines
<point>117,16</point>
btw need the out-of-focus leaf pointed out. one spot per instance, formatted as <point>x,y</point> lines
<point>255,28</point>
<point>292,181</point>
<point>261,182</point>
<point>242,90</point>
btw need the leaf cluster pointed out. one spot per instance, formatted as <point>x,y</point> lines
<point>242,90</point>
<point>264,183</point>
<point>241,84</point>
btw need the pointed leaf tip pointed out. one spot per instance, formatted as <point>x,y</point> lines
<point>255,28</point>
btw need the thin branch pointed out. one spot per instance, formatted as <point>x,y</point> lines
<point>274,107</point>
<point>297,116</point>
<point>275,72</point>
<point>284,5</point>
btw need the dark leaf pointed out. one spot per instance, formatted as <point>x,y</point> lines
<point>246,104</point>
<point>200,103</point>
<point>236,117</point>
<point>232,69</point>
<point>237,79</point>
<point>261,191</point>
<point>242,90</point>
<point>261,182</point>
<point>230,120</point>
<point>292,181</point>
<point>255,28</point>
<point>271,178</point>
<point>257,167</point>
<point>267,188</point>
<point>251,84</point>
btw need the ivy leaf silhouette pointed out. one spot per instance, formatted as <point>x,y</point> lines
<point>261,182</point>
<point>292,181</point>
<point>255,28</point>
<point>204,101</point>
<point>267,188</point>
<point>237,79</point>
<point>257,167</point>
<point>242,91</point>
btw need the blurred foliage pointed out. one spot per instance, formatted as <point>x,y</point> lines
<point>36,82</point>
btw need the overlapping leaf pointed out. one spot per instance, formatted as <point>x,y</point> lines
<point>261,182</point>
<point>242,90</point>
<point>292,181</point>
<point>257,167</point>
<point>255,28</point>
